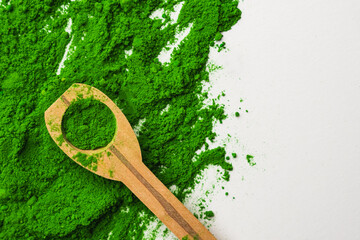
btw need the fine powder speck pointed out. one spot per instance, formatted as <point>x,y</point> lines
<point>250,160</point>
<point>46,195</point>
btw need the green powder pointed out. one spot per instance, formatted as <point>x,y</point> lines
<point>89,124</point>
<point>46,195</point>
<point>250,160</point>
<point>209,214</point>
<point>218,36</point>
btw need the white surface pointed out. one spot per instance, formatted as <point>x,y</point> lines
<point>296,64</point>
<point>67,49</point>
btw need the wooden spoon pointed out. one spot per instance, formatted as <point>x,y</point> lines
<point>121,160</point>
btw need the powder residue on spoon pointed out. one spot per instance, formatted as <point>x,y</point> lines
<point>113,46</point>
<point>89,124</point>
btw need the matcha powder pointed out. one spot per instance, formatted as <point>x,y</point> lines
<point>89,124</point>
<point>114,45</point>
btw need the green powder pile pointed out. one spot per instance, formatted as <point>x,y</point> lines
<point>114,46</point>
<point>89,124</point>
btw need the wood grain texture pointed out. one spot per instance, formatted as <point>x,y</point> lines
<point>121,160</point>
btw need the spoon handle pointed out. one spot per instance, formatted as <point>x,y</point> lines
<point>157,197</point>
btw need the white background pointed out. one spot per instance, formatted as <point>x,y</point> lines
<point>296,64</point>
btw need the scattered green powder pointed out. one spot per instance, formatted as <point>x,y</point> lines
<point>89,124</point>
<point>226,176</point>
<point>94,167</point>
<point>87,161</point>
<point>209,214</point>
<point>44,194</point>
<point>60,139</point>
<point>250,160</point>
<point>218,37</point>
<point>234,155</point>
<point>187,238</point>
<point>237,114</point>
<point>220,46</point>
